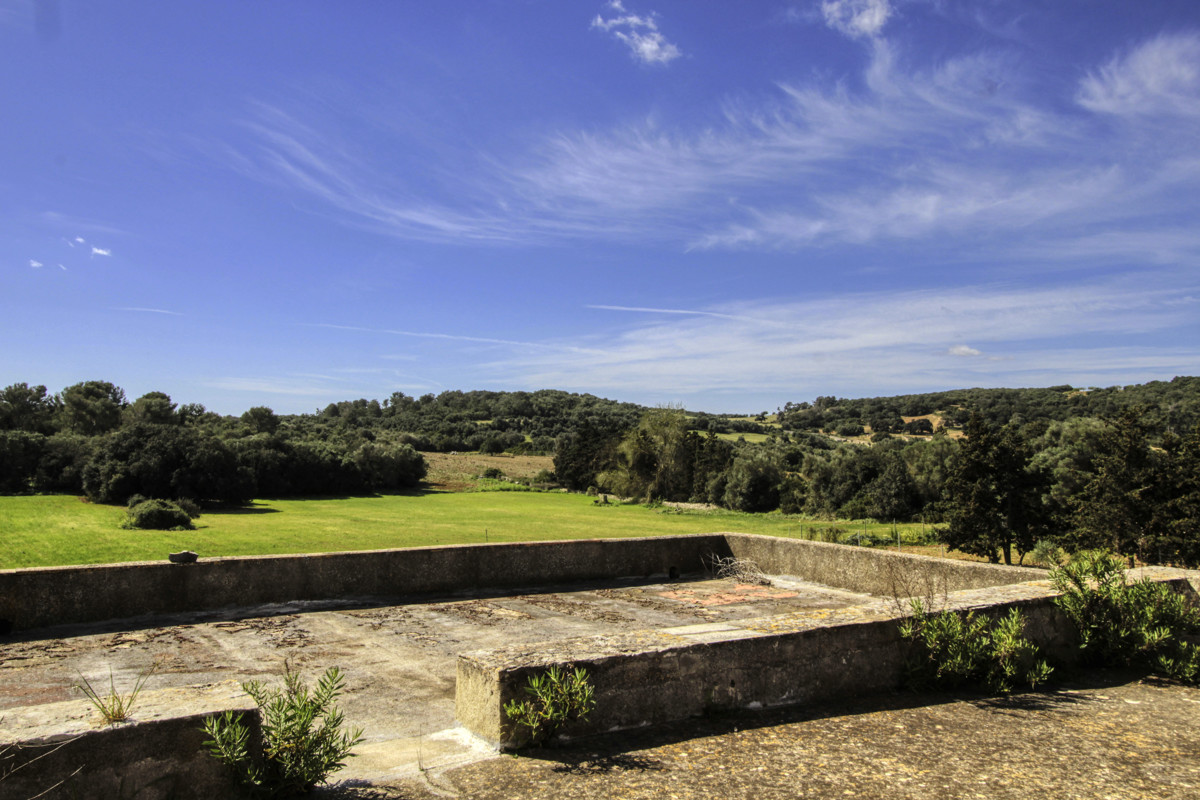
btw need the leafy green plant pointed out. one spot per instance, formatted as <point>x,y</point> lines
<point>557,696</point>
<point>113,706</point>
<point>1141,623</point>
<point>965,649</point>
<point>158,515</point>
<point>302,737</point>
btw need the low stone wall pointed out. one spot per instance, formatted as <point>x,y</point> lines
<point>156,759</point>
<point>876,571</point>
<point>658,676</point>
<point>41,597</point>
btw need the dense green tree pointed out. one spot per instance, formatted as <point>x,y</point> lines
<point>92,407</point>
<point>20,454</point>
<point>752,483</point>
<point>27,408</point>
<point>656,460</point>
<point>165,461</point>
<point>261,419</point>
<point>995,497</point>
<point>1179,540</point>
<point>153,407</point>
<point>389,467</point>
<point>1120,507</point>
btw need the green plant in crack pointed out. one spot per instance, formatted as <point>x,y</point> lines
<point>302,737</point>
<point>112,705</point>
<point>556,696</point>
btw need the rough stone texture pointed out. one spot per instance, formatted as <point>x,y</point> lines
<point>1100,736</point>
<point>870,570</point>
<point>399,660</point>
<point>34,598</point>
<point>39,597</point>
<point>158,754</point>
<point>651,677</point>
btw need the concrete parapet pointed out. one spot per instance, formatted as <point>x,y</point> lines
<point>63,747</point>
<point>670,674</point>
<point>41,597</point>
<point>869,570</point>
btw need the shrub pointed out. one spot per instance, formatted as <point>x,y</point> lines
<point>190,507</point>
<point>157,515</point>
<point>558,696</point>
<point>545,476</point>
<point>302,739</point>
<point>957,649</point>
<point>493,473</point>
<point>1139,624</point>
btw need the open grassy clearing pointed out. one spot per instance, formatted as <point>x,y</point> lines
<point>754,438</point>
<point>52,530</point>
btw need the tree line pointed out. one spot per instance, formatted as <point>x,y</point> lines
<point>89,439</point>
<point>1077,468</point>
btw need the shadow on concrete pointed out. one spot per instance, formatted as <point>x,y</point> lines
<point>266,610</point>
<point>610,752</point>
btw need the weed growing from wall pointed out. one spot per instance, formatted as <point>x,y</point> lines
<point>113,706</point>
<point>1139,624</point>
<point>557,696</point>
<point>953,650</point>
<point>302,737</point>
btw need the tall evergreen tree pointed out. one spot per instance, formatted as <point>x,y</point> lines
<point>994,497</point>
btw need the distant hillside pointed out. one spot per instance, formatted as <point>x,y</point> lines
<point>1172,406</point>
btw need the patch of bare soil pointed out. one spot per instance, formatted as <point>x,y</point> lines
<point>1106,736</point>
<point>456,472</point>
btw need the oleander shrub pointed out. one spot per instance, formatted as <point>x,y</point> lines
<point>556,697</point>
<point>952,650</point>
<point>1126,623</point>
<point>302,738</point>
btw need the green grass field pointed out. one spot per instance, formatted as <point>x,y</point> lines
<point>53,530</point>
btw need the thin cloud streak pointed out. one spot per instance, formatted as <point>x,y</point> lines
<point>450,337</point>
<point>947,152</point>
<point>143,310</point>
<point>882,342</point>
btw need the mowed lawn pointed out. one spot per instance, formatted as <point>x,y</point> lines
<point>52,530</point>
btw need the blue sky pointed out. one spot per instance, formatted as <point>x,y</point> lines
<point>724,204</point>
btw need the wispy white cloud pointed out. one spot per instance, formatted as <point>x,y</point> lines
<point>449,337</point>
<point>683,311</point>
<point>947,153</point>
<point>148,310</point>
<point>35,264</point>
<point>886,341</point>
<point>1159,76</point>
<point>100,251</point>
<point>639,33</point>
<point>279,386</point>
<point>857,18</point>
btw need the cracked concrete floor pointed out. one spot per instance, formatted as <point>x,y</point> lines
<point>398,657</point>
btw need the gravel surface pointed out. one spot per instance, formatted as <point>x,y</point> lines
<point>1104,736</point>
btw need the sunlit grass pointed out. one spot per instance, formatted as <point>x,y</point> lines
<point>53,530</point>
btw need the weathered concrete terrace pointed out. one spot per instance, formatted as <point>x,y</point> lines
<point>399,659</point>
<point>434,640</point>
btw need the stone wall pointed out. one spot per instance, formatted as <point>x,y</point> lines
<point>157,759</point>
<point>41,597</point>
<point>657,676</point>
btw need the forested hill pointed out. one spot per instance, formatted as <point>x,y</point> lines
<point>1165,406</point>
<point>1059,464</point>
